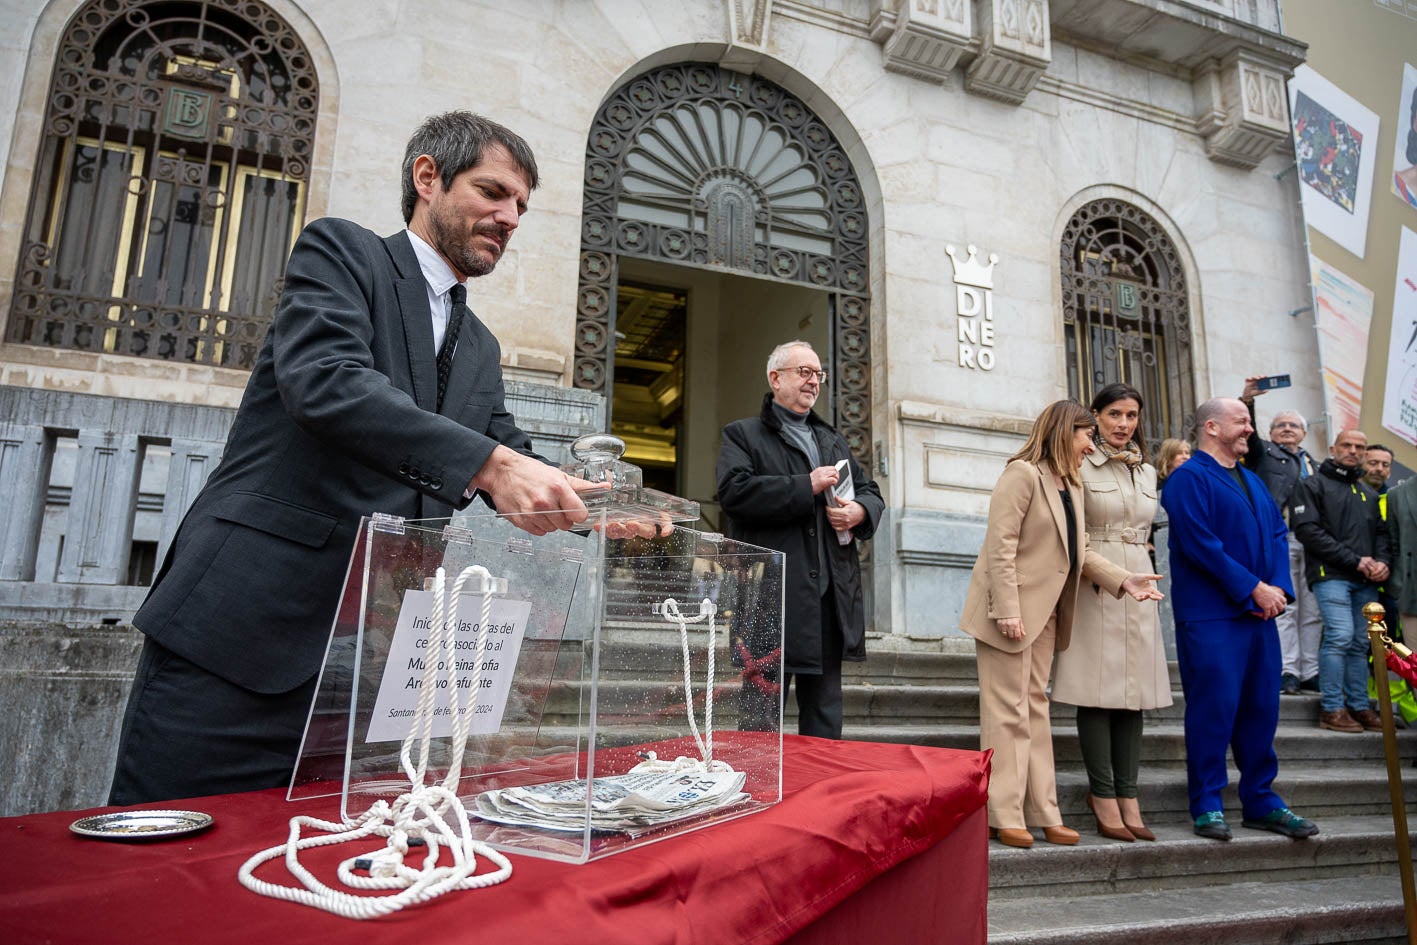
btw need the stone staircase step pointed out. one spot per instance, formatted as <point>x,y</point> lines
<point>959,702</point>
<point>1313,912</point>
<point>1345,847</point>
<point>1162,744</point>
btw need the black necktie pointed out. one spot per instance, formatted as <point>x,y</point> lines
<point>458,294</point>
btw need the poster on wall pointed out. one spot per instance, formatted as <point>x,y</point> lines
<point>1335,142</point>
<point>1343,310</point>
<point>1404,159</point>
<point>1400,398</point>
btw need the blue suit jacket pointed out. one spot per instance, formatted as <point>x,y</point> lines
<point>1222,543</point>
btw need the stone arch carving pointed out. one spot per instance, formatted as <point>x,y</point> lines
<point>693,163</point>
<point>1126,304</point>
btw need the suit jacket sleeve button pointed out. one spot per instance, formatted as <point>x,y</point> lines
<point>436,483</point>
<point>403,469</point>
<point>812,574</point>
<point>425,479</point>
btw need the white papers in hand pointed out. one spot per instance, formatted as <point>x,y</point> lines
<point>845,490</point>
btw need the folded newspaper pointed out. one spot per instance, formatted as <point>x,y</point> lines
<point>622,803</point>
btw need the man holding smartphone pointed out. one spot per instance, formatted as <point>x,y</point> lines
<point>778,475</point>
<point>1281,462</point>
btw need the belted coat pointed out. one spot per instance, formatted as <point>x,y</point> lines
<point>1117,659</point>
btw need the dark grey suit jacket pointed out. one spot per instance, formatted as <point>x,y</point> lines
<point>337,422</point>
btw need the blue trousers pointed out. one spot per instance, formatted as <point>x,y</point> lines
<point>1343,654</point>
<point>1230,674</point>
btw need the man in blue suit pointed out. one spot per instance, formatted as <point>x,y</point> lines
<point>1230,571</point>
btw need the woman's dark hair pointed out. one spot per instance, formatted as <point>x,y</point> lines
<point>1113,393</point>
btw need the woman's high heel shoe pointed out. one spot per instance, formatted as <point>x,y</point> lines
<point>1111,833</point>
<point>1138,831</point>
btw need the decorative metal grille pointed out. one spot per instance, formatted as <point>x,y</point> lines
<point>695,164</point>
<point>1125,314</point>
<point>170,184</point>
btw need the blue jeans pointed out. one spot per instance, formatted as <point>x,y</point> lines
<point>1343,655</point>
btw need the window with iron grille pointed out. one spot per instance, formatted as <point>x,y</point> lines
<point>170,184</point>
<point>1126,315</point>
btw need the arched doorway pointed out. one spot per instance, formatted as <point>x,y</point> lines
<point>705,183</point>
<point>1126,313</point>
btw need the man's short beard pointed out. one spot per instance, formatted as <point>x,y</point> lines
<point>459,252</point>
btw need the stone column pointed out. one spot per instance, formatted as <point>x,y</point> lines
<point>24,481</point>
<point>99,532</point>
<point>191,463</point>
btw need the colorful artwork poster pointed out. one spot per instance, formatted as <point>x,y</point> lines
<point>1335,142</point>
<point>1400,397</point>
<point>1343,311</point>
<point>1404,159</point>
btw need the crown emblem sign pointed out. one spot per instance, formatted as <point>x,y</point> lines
<point>971,271</point>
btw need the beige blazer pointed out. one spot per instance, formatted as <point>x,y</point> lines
<point>1022,570</point>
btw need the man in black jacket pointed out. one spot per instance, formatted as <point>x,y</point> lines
<point>1335,514</point>
<point>777,479</point>
<point>1280,462</point>
<point>350,410</point>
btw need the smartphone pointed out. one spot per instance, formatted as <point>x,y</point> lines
<point>1272,382</point>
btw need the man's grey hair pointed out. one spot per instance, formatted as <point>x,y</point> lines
<point>455,141</point>
<point>778,359</point>
<point>1292,414</point>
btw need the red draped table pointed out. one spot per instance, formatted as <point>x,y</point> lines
<point>871,843</point>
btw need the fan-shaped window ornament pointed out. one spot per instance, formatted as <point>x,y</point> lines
<point>170,184</point>
<point>692,163</point>
<point>1126,313</point>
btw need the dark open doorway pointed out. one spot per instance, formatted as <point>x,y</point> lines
<point>651,328</point>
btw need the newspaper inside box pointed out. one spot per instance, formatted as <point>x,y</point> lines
<point>579,676</point>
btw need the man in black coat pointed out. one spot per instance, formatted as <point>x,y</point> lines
<point>1336,516</point>
<point>776,479</point>
<point>342,417</point>
<point>1281,462</point>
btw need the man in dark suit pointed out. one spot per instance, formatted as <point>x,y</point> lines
<point>776,479</point>
<point>1230,579</point>
<point>344,415</point>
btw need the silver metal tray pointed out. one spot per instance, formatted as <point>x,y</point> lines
<point>141,824</point>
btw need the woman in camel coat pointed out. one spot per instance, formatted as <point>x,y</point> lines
<point>1116,666</point>
<point>1020,608</point>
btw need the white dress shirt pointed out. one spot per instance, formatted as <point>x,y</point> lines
<point>439,278</point>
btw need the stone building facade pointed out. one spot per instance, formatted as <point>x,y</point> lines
<point>972,208</point>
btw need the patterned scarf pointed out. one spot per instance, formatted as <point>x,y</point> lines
<point>1129,454</point>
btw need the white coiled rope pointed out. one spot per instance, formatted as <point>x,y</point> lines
<point>420,815</point>
<point>670,611</point>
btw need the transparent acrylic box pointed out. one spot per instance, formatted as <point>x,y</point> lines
<point>583,668</point>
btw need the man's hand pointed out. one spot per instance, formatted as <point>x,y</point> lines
<point>1010,627</point>
<point>1143,586</point>
<point>1268,599</point>
<point>844,516</point>
<point>1251,389</point>
<point>1373,569</point>
<point>519,484</point>
<point>824,477</point>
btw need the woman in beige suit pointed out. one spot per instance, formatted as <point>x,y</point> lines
<point>1116,666</point>
<point>1019,609</point>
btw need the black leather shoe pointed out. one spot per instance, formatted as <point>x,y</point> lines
<point>1309,685</point>
<point>1212,826</point>
<point>1283,821</point>
<point>1289,685</point>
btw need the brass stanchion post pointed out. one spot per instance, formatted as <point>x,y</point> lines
<point>1377,631</point>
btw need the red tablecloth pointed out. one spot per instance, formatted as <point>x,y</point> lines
<point>855,817</point>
